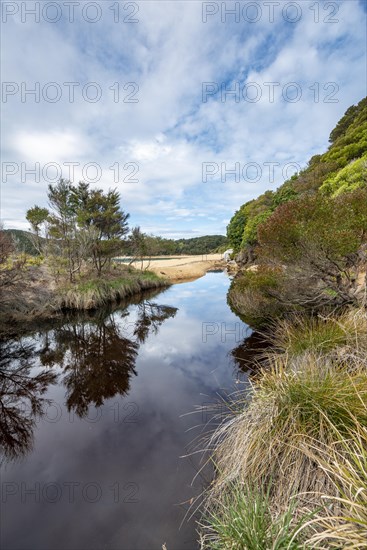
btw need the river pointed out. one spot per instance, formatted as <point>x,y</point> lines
<point>98,413</point>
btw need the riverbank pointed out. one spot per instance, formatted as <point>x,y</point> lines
<point>291,455</point>
<point>35,295</point>
<point>183,268</point>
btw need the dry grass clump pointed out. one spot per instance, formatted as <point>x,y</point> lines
<point>345,464</point>
<point>291,402</point>
<point>343,338</point>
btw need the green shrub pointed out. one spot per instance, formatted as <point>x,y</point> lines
<point>351,177</point>
<point>252,295</point>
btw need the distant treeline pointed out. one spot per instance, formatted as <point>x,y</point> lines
<point>158,246</point>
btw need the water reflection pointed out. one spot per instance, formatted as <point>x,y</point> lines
<point>153,360</point>
<point>21,400</point>
<point>97,359</point>
<point>250,354</point>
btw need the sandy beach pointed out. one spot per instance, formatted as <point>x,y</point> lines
<point>183,268</point>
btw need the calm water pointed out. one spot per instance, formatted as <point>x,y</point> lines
<point>99,465</point>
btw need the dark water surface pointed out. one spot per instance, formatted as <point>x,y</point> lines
<point>99,465</point>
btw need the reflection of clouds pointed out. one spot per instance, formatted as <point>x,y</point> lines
<point>177,372</point>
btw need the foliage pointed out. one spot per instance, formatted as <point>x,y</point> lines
<point>159,246</point>
<point>348,143</point>
<point>199,245</point>
<point>249,236</point>
<point>11,271</point>
<point>6,246</point>
<point>23,241</point>
<point>252,295</point>
<point>235,229</point>
<point>344,123</point>
<point>351,177</point>
<point>321,241</point>
<point>83,225</point>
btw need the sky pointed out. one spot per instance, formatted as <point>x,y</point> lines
<point>188,108</point>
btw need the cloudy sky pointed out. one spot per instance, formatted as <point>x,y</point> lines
<point>188,108</point>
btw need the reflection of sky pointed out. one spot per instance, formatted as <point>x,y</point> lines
<point>176,372</point>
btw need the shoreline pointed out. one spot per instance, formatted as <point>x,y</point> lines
<point>186,268</point>
<point>36,299</point>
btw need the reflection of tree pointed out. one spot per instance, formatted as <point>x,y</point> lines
<point>98,355</point>
<point>98,359</point>
<point>150,318</point>
<point>20,397</point>
<point>99,363</point>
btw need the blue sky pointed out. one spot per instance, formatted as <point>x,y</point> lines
<point>160,125</point>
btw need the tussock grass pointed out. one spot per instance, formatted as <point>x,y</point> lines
<point>343,338</point>
<point>345,463</point>
<point>291,402</point>
<point>242,519</point>
<point>94,293</point>
<point>302,433</point>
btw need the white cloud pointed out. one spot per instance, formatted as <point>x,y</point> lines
<point>170,132</point>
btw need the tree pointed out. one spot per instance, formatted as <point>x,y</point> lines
<point>235,229</point>
<point>137,244</point>
<point>83,224</point>
<point>11,273</point>
<point>102,212</point>
<point>63,224</point>
<point>37,217</point>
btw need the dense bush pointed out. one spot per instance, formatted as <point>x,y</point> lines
<point>348,143</point>
<point>253,295</point>
<point>351,177</point>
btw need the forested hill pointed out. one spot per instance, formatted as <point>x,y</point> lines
<point>342,168</point>
<point>24,242</point>
<point>200,245</point>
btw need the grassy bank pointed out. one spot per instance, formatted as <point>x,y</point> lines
<point>93,293</point>
<point>35,295</point>
<point>291,459</point>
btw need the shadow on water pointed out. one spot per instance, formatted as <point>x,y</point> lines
<point>249,355</point>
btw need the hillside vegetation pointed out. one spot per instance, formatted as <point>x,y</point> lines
<point>307,238</point>
<point>342,168</point>
<point>291,457</point>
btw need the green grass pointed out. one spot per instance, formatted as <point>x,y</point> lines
<point>344,337</point>
<point>312,397</point>
<point>96,292</point>
<point>242,520</point>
